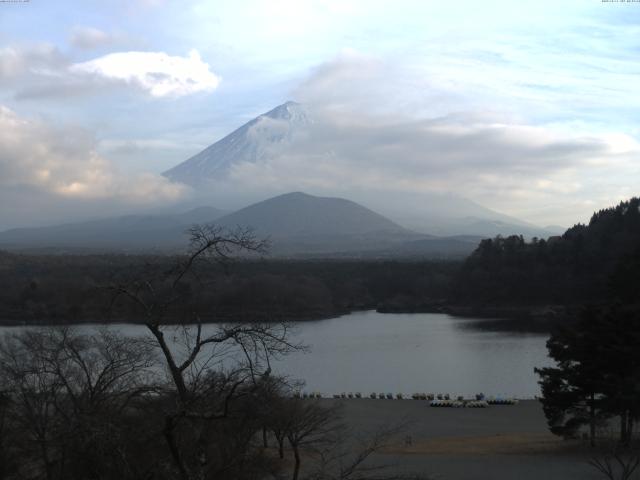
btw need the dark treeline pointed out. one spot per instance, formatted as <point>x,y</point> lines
<point>74,288</point>
<point>589,263</point>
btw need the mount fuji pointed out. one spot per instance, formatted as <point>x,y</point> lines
<point>264,137</point>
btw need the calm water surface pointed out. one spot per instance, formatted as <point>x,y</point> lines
<point>373,352</point>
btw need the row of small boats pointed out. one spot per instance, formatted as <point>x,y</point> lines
<point>436,400</point>
<point>307,395</point>
<point>459,404</point>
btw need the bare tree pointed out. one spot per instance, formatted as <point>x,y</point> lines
<point>7,460</point>
<point>67,396</point>
<point>34,395</point>
<point>278,423</point>
<point>210,367</point>
<point>617,465</point>
<point>310,426</point>
<point>352,458</point>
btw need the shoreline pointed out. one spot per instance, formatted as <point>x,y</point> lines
<point>529,319</point>
<point>505,318</point>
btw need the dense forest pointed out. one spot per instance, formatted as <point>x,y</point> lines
<point>60,289</point>
<point>589,263</point>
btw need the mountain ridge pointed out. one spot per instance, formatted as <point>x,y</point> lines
<point>127,232</point>
<point>274,216</point>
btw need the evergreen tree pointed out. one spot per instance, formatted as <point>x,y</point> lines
<point>571,392</point>
<point>597,373</point>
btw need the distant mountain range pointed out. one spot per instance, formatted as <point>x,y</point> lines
<point>126,233</point>
<point>297,224</point>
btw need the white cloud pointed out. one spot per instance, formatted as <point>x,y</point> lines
<point>37,71</point>
<point>63,162</point>
<point>89,37</point>
<point>156,72</point>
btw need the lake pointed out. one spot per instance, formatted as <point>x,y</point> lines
<point>423,352</point>
<point>418,352</point>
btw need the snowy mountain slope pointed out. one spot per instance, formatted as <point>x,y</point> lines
<point>264,136</point>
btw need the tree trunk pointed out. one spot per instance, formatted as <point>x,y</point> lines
<point>296,467</point>
<point>175,372</point>
<point>45,459</point>
<point>281,447</point>
<point>169,426</point>
<point>623,428</point>
<point>592,421</point>
<point>265,443</point>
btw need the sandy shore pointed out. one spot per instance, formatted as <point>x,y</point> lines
<point>499,442</point>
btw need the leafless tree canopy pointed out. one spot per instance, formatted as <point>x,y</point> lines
<point>619,462</point>
<point>189,401</point>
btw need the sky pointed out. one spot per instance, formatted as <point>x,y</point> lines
<point>529,109</point>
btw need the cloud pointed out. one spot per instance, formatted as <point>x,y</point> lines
<point>395,165</point>
<point>392,88</point>
<point>396,129</point>
<point>40,59</point>
<point>62,162</point>
<point>437,154</point>
<point>41,71</point>
<point>155,72</point>
<point>89,38</point>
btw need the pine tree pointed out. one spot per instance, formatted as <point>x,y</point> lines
<point>597,374</point>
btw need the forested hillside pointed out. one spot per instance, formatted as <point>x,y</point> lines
<point>588,263</point>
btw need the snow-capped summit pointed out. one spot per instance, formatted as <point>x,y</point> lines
<point>261,138</point>
<point>291,111</point>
